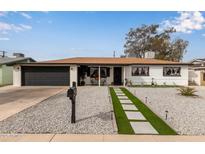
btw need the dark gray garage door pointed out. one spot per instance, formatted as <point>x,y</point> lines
<point>45,76</point>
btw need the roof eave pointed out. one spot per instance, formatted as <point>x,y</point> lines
<point>23,64</point>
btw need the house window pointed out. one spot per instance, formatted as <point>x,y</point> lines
<point>172,71</point>
<point>94,72</point>
<point>140,71</point>
<point>203,76</point>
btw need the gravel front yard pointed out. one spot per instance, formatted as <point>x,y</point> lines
<point>93,115</point>
<point>186,114</point>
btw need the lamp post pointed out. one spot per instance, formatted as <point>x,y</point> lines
<point>166,114</point>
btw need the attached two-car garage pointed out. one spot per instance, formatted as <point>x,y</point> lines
<point>45,76</point>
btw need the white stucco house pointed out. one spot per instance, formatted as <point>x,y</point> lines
<point>101,71</point>
<point>197,72</point>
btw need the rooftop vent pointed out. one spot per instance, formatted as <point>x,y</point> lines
<point>17,55</point>
<point>149,54</point>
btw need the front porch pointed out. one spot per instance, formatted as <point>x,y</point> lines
<point>100,75</point>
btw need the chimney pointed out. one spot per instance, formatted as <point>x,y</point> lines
<point>149,54</point>
<point>17,55</point>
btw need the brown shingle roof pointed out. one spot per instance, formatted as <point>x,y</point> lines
<point>108,60</point>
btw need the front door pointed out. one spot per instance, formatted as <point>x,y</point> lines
<point>203,78</point>
<point>117,76</point>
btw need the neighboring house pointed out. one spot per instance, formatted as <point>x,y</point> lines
<point>101,71</point>
<point>197,72</point>
<point>6,67</point>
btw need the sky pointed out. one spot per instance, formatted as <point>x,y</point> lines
<point>56,35</point>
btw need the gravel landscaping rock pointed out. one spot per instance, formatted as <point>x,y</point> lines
<point>185,114</point>
<point>93,115</point>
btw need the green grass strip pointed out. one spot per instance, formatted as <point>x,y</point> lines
<point>123,123</point>
<point>156,122</point>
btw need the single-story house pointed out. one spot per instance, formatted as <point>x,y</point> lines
<point>6,67</point>
<point>101,71</point>
<point>197,72</point>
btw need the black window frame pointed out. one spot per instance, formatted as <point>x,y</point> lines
<point>140,74</point>
<point>172,67</point>
<point>101,74</point>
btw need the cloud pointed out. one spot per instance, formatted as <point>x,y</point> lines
<point>26,15</point>
<point>5,27</point>
<point>2,14</point>
<point>28,27</point>
<point>4,39</point>
<point>186,22</point>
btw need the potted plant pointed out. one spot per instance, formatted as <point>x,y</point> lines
<point>82,83</point>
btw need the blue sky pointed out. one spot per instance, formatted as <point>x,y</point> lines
<point>54,35</point>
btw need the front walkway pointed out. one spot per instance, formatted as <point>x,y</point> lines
<point>134,117</point>
<point>138,122</point>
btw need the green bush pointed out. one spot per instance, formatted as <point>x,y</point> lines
<point>187,91</point>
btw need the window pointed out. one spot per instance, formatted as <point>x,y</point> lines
<point>140,71</point>
<point>94,72</point>
<point>203,76</point>
<point>172,71</point>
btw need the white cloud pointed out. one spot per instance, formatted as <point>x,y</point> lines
<point>4,39</point>
<point>5,27</point>
<point>25,15</point>
<point>25,26</point>
<point>2,14</point>
<point>186,22</point>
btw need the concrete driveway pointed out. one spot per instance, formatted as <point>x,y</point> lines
<point>16,99</point>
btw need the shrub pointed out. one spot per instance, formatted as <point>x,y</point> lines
<point>187,91</point>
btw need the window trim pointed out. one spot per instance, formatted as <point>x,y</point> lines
<point>164,75</point>
<point>140,67</point>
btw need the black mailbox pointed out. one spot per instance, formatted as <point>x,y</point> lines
<point>71,93</point>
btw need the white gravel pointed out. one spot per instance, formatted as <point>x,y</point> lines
<point>185,114</point>
<point>93,115</point>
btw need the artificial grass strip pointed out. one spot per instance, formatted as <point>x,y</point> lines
<point>123,123</point>
<point>156,122</point>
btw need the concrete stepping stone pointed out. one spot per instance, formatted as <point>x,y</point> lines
<point>143,128</point>
<point>125,101</point>
<point>129,107</point>
<point>120,94</point>
<point>132,115</point>
<point>118,91</point>
<point>122,97</point>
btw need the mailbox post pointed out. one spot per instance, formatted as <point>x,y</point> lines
<point>71,93</point>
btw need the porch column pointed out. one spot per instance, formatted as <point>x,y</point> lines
<point>124,76</point>
<point>99,76</point>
